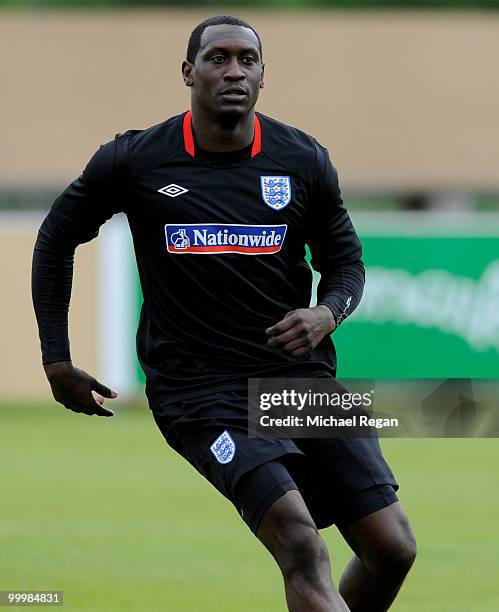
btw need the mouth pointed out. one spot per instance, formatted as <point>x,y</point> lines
<point>234,94</point>
<point>233,91</point>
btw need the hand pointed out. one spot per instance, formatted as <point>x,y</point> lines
<point>301,330</point>
<point>73,388</point>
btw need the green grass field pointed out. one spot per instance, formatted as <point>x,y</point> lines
<point>103,510</point>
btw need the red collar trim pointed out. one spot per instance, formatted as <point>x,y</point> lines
<point>189,138</point>
<point>257,138</point>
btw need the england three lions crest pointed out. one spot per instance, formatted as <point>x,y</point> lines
<point>224,448</point>
<point>276,191</point>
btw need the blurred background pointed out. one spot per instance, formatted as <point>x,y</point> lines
<point>405,95</point>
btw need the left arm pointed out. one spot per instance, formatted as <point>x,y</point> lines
<point>336,254</point>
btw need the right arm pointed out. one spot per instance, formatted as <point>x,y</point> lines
<point>74,218</point>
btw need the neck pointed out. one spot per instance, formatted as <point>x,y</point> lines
<point>221,134</point>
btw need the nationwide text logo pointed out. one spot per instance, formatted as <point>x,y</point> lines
<point>212,238</point>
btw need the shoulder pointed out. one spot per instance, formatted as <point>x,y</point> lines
<point>279,136</point>
<point>99,170</point>
<point>149,135</point>
<point>146,147</point>
<point>293,147</point>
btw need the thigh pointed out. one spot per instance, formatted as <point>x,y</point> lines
<point>285,525</point>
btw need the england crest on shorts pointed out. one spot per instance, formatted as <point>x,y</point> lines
<point>224,448</point>
<point>276,191</point>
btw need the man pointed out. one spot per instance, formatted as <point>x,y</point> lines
<point>221,202</point>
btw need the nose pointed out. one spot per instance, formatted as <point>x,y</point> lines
<point>234,71</point>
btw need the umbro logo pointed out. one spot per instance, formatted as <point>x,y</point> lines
<point>172,190</point>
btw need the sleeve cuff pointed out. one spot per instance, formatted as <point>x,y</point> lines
<point>335,316</point>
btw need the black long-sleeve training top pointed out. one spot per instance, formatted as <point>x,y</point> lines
<point>220,247</point>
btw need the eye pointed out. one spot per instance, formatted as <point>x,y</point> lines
<point>249,59</point>
<point>218,59</point>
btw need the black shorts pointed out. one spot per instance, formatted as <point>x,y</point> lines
<point>341,480</point>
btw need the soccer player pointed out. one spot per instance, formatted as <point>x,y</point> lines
<point>221,202</point>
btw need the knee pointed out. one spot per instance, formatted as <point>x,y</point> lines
<point>303,551</point>
<point>404,555</point>
<point>393,561</point>
<point>289,533</point>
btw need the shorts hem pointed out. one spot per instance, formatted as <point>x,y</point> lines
<point>277,492</point>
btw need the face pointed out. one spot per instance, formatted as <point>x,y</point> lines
<point>227,74</point>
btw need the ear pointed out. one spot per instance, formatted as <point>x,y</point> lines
<point>187,69</point>
<point>261,77</point>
